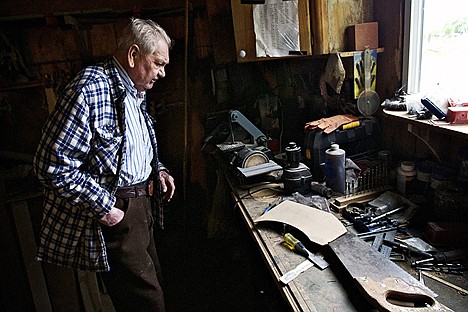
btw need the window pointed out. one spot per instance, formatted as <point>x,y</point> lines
<point>435,51</point>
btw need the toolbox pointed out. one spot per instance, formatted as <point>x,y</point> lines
<point>457,115</point>
<point>357,141</point>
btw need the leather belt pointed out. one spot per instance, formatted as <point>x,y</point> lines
<point>137,190</point>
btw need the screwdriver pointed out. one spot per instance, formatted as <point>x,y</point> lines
<point>442,257</point>
<point>295,244</point>
<point>408,248</point>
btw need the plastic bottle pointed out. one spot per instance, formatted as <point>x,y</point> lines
<point>406,177</point>
<point>335,174</point>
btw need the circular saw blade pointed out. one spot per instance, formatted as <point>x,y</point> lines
<point>368,102</point>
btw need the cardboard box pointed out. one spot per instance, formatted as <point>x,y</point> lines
<point>362,36</point>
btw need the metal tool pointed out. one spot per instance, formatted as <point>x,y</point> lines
<point>295,244</point>
<point>407,248</point>
<point>420,277</point>
<point>372,233</point>
<point>442,257</point>
<point>296,176</point>
<point>244,144</point>
<point>378,245</point>
<point>387,213</point>
<point>447,270</point>
<point>440,280</point>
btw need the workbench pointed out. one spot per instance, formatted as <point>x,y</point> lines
<point>317,290</point>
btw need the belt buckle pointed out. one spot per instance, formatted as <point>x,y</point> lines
<point>149,188</point>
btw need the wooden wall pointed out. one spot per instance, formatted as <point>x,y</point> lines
<point>57,39</point>
<point>54,40</point>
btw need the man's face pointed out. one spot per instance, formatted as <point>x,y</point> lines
<point>147,69</point>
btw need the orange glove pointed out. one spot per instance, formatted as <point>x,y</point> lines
<point>330,124</point>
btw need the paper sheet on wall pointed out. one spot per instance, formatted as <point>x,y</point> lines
<point>276,26</point>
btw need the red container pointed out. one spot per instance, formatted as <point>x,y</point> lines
<point>457,115</point>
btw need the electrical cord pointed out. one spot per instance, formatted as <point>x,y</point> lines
<point>251,193</point>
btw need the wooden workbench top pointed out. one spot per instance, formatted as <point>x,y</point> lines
<point>331,289</point>
<point>313,290</point>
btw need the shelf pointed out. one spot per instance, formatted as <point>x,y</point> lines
<point>351,53</point>
<point>313,56</point>
<point>444,127</point>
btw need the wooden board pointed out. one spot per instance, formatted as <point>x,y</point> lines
<point>330,18</point>
<point>313,290</point>
<point>320,227</point>
<point>33,268</point>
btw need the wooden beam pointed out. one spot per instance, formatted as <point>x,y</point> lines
<point>34,272</point>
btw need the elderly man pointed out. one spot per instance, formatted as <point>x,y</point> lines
<point>98,160</point>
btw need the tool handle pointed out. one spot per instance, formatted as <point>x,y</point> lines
<point>409,248</point>
<point>394,294</point>
<point>449,256</point>
<point>290,240</point>
<point>295,244</point>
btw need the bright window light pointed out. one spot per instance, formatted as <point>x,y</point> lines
<point>438,44</point>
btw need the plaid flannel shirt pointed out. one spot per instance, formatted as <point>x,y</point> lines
<point>78,162</point>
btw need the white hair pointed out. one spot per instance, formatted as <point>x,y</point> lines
<point>145,34</point>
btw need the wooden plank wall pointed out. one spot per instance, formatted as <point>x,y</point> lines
<point>330,18</point>
<point>55,47</point>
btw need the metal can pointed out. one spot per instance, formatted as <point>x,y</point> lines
<point>335,172</point>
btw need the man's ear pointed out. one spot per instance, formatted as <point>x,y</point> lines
<point>132,53</point>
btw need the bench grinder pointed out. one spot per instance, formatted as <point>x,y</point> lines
<point>296,176</point>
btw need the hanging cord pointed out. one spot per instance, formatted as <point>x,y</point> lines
<point>428,145</point>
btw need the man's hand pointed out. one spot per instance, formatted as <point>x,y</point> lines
<point>114,216</point>
<point>167,185</point>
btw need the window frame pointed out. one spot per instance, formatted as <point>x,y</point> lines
<point>412,45</point>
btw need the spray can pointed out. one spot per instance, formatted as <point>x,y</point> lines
<point>335,174</point>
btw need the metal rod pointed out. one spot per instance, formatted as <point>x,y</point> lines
<point>464,291</point>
